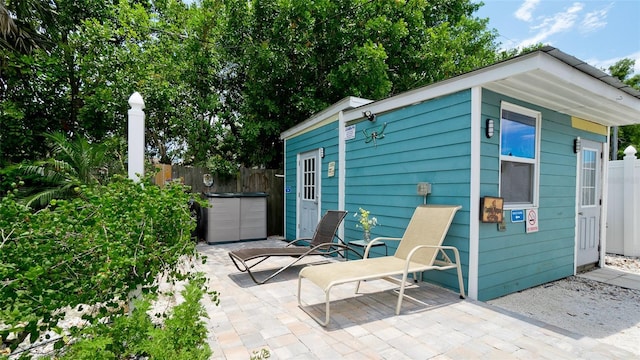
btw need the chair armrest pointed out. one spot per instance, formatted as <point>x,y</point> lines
<point>293,242</point>
<point>378,239</point>
<point>442,248</point>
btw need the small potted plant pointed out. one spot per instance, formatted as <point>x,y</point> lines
<point>365,222</point>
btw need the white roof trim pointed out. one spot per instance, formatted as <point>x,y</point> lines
<point>569,89</point>
<point>349,102</point>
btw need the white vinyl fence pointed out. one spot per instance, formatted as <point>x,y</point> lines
<point>623,207</point>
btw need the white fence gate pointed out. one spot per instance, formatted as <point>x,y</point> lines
<point>623,207</point>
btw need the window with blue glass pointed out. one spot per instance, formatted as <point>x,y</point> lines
<point>519,139</point>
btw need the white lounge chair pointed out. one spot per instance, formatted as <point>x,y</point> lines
<point>417,251</point>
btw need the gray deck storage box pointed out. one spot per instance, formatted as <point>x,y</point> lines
<point>236,216</point>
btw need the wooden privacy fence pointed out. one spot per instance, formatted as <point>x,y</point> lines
<point>623,206</point>
<point>247,180</point>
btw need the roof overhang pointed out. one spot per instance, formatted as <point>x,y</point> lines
<point>546,77</point>
<point>324,116</point>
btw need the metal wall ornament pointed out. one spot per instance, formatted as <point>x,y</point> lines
<point>373,134</point>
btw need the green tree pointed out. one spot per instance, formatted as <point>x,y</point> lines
<point>72,163</point>
<point>102,52</point>
<point>60,88</point>
<point>222,78</point>
<point>623,70</point>
<point>22,23</point>
<point>630,134</point>
<point>290,59</point>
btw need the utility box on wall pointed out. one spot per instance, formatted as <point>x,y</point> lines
<point>236,216</point>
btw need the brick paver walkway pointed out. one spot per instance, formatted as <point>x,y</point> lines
<point>251,317</point>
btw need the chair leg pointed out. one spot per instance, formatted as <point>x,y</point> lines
<point>327,310</point>
<point>235,259</point>
<point>460,281</point>
<point>327,315</point>
<point>459,269</point>
<point>246,268</point>
<point>401,292</point>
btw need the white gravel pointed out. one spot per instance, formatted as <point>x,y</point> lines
<point>604,312</point>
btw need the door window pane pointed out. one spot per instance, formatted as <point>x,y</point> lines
<point>309,179</point>
<point>588,188</point>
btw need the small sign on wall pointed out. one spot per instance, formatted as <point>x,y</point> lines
<point>491,209</point>
<point>517,216</point>
<point>331,169</point>
<point>532,220</point>
<point>349,132</point>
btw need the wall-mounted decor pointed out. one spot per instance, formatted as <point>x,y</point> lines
<point>491,209</point>
<point>374,134</point>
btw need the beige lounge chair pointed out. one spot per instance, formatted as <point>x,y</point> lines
<point>320,244</point>
<point>417,251</point>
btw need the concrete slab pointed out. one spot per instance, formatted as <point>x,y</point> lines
<point>614,277</point>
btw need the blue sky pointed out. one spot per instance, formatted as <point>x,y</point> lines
<point>595,31</point>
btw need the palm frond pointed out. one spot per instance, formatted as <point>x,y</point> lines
<point>43,198</point>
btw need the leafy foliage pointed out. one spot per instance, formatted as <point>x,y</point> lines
<point>630,134</point>
<point>291,59</point>
<point>181,336</point>
<point>72,164</point>
<point>222,78</point>
<point>21,22</point>
<point>93,249</point>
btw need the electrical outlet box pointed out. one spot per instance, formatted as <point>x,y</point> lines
<point>424,188</point>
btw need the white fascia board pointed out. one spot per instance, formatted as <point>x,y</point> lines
<point>466,81</point>
<point>324,115</point>
<point>536,61</point>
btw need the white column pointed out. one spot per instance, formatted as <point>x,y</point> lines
<point>136,137</point>
<point>631,228</point>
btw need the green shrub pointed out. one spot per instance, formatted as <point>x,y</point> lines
<point>182,336</point>
<point>94,249</point>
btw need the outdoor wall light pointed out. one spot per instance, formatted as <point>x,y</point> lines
<point>369,115</point>
<point>577,146</point>
<point>489,128</point>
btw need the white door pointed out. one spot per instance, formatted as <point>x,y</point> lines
<point>589,203</point>
<point>308,193</point>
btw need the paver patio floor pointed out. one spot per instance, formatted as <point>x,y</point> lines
<point>251,317</point>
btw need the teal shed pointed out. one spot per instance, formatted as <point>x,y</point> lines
<point>528,135</point>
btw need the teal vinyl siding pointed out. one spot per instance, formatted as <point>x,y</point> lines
<point>430,141</point>
<point>514,260</point>
<point>425,142</point>
<point>326,137</point>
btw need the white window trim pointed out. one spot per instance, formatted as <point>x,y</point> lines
<point>536,162</point>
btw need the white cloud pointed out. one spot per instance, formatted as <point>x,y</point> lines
<point>559,22</point>
<point>526,9</point>
<point>595,20</point>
